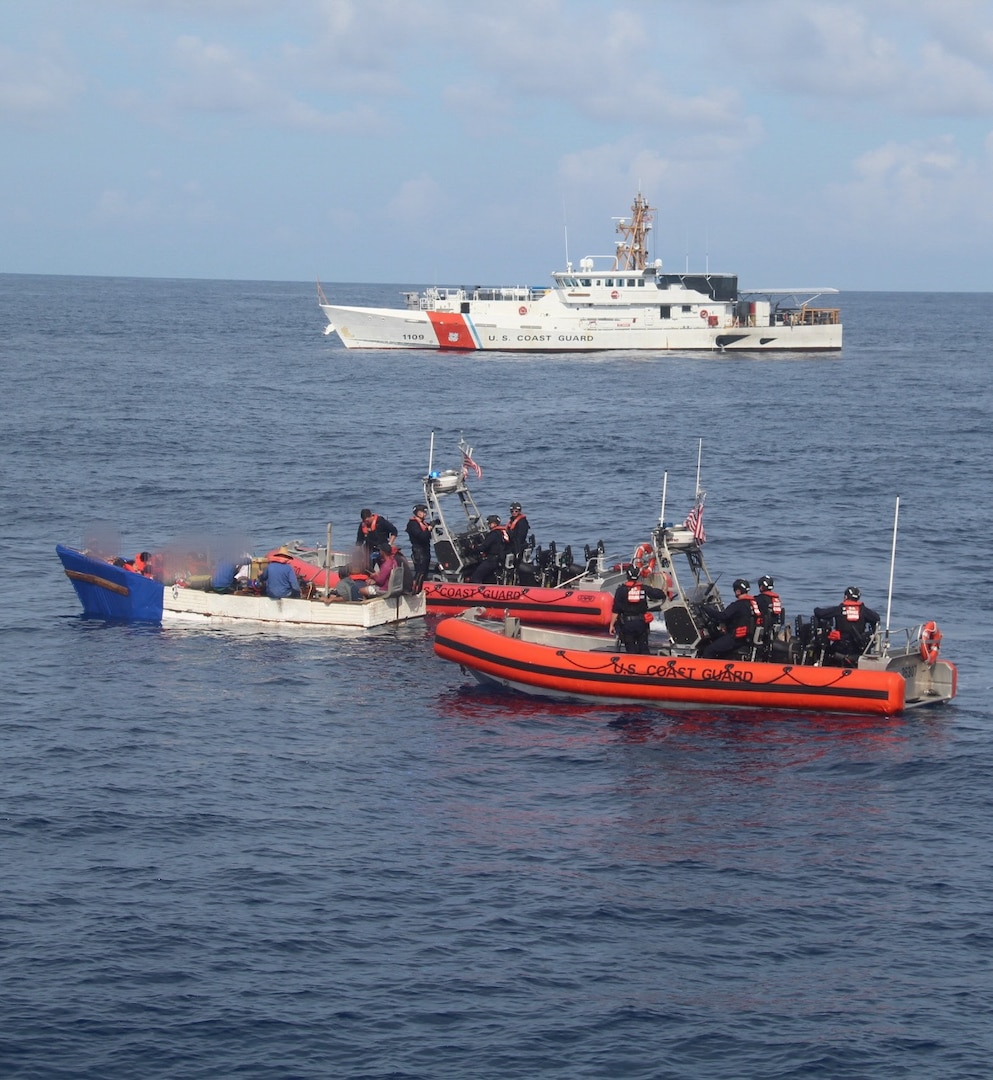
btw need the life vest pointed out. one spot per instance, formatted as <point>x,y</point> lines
<point>851,611</point>
<point>744,630</point>
<point>636,594</point>
<point>367,529</point>
<point>775,607</point>
<point>423,524</point>
<point>140,565</point>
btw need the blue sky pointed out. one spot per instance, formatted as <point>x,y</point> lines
<point>794,143</point>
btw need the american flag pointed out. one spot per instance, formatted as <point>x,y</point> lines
<point>468,463</point>
<point>694,519</point>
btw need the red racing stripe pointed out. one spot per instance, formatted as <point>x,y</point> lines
<point>451,330</point>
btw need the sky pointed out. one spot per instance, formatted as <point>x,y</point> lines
<point>797,144</point>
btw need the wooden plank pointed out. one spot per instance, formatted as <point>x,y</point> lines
<point>102,583</point>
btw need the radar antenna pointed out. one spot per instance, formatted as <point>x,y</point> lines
<point>632,248</point>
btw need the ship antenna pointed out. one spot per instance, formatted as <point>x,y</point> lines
<point>699,457</point>
<point>889,595</point>
<point>665,481</point>
<point>565,229</point>
<point>431,455</point>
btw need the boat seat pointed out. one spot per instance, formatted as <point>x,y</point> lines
<point>394,587</point>
<point>757,649</point>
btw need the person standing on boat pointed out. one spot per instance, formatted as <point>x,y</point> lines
<point>771,610</point>
<point>739,620</point>
<point>419,534</point>
<point>517,529</point>
<point>279,577</point>
<point>374,532</point>
<point>494,549</point>
<point>629,616</point>
<point>853,626</point>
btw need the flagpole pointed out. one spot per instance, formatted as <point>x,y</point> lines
<point>665,480</point>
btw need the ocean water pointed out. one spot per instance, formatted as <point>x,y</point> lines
<point>281,855</point>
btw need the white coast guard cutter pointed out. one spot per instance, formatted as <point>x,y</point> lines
<point>630,305</point>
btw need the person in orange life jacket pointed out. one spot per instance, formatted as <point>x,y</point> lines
<point>770,607</point>
<point>419,533</point>
<point>629,614</point>
<point>739,619</point>
<point>381,578</point>
<point>494,548</point>
<point>279,577</point>
<point>142,563</point>
<point>517,529</point>
<point>374,531</point>
<point>854,624</point>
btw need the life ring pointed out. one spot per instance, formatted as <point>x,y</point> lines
<point>930,641</point>
<point>644,559</point>
<point>522,310</point>
<point>703,313</point>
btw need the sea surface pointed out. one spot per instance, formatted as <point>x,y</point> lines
<point>282,855</point>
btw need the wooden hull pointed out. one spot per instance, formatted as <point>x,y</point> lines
<point>220,609</point>
<point>532,604</point>
<point>110,592</point>
<point>598,672</point>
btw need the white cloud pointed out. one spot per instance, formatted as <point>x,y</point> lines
<point>37,84</point>
<point>416,200</point>
<point>160,202</point>
<point>919,189</point>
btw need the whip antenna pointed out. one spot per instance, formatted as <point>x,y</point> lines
<point>665,480</point>
<point>889,594</point>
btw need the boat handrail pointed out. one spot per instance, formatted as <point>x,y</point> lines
<point>427,300</point>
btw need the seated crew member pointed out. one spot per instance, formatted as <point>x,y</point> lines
<point>374,532</point>
<point>739,619</point>
<point>279,577</point>
<point>771,609</point>
<point>380,580</point>
<point>517,529</point>
<point>494,549</point>
<point>853,626</point>
<point>419,533</point>
<point>629,614</point>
